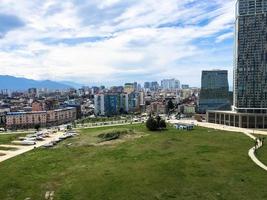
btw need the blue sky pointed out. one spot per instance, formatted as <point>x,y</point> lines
<point>115,41</point>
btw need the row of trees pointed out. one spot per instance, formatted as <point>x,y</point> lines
<point>154,124</point>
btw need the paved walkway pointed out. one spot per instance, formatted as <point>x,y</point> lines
<point>247,132</point>
<point>23,149</point>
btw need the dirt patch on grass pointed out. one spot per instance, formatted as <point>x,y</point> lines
<point>119,140</point>
<point>115,134</point>
<point>106,137</point>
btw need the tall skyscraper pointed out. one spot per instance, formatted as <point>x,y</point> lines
<point>214,93</point>
<point>250,71</point>
<point>250,81</point>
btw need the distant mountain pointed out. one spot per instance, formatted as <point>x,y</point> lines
<point>73,84</point>
<point>15,83</point>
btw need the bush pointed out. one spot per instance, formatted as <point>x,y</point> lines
<point>151,124</point>
<point>155,124</point>
<point>162,124</point>
<point>37,127</point>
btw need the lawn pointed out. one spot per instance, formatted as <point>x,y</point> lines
<point>8,148</point>
<point>8,138</point>
<point>202,164</point>
<point>262,153</point>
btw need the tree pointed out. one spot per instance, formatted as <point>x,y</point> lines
<point>151,124</point>
<point>154,124</point>
<point>37,127</point>
<point>162,124</point>
<point>158,119</point>
<point>170,105</point>
<point>74,124</point>
<point>69,127</point>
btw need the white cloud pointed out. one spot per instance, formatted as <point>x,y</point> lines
<point>145,37</point>
<point>225,36</point>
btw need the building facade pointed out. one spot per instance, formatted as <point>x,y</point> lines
<point>3,112</point>
<point>156,108</point>
<point>250,85</point>
<point>130,87</point>
<point>214,94</point>
<point>108,104</point>
<point>250,71</point>
<point>37,106</point>
<point>16,120</point>
<point>241,120</point>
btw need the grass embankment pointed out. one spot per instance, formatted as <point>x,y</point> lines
<point>202,164</point>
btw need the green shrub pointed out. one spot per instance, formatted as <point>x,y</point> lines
<point>154,124</point>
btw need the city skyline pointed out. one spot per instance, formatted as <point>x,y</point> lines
<point>91,42</point>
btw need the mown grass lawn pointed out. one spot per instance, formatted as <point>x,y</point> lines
<point>262,152</point>
<point>8,138</point>
<point>202,164</point>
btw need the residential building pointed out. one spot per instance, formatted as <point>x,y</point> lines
<point>3,112</point>
<point>37,106</point>
<point>108,104</point>
<point>157,108</point>
<point>133,102</point>
<point>130,87</point>
<point>16,120</point>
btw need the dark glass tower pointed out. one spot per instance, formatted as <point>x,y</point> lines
<point>214,93</point>
<point>250,81</point>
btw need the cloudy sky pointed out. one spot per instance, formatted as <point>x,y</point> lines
<point>115,41</point>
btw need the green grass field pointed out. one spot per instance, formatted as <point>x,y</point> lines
<point>202,164</point>
<point>262,152</point>
<point>8,138</point>
<point>8,148</point>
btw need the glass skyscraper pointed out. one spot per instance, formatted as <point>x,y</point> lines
<point>250,81</point>
<point>250,72</point>
<point>214,93</point>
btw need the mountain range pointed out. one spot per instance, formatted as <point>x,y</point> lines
<point>16,83</point>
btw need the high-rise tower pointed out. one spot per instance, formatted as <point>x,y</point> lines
<point>250,70</point>
<point>250,73</point>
